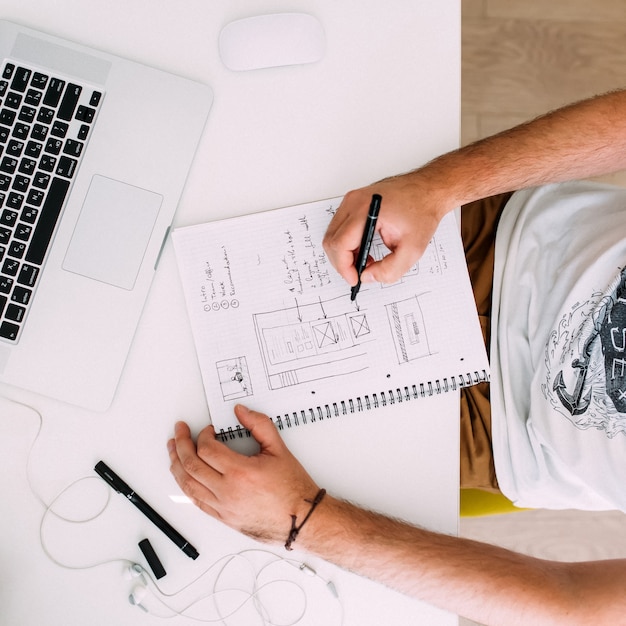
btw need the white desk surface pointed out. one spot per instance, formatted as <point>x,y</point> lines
<point>383,100</point>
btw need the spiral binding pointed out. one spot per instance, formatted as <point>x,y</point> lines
<point>365,403</point>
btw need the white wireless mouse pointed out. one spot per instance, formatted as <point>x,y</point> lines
<point>271,40</point>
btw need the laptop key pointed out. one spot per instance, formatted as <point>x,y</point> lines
<point>20,131</point>
<point>41,180</point>
<point>59,129</point>
<point>21,295</point>
<point>73,148</point>
<point>10,267</point>
<point>9,330</point>
<point>29,215</point>
<point>20,79</point>
<point>28,275</point>
<point>66,167</point>
<point>83,132</point>
<point>69,102</point>
<point>8,165</point>
<point>33,149</point>
<point>21,183</point>
<point>15,201</point>
<point>6,284</point>
<point>53,146</point>
<point>27,114</point>
<point>7,117</point>
<point>15,148</point>
<point>39,80</point>
<point>45,115</point>
<point>96,96</point>
<point>8,218</point>
<point>33,97</point>
<point>50,211</point>
<point>54,91</point>
<point>85,114</point>
<point>13,100</point>
<point>47,163</point>
<point>39,132</point>
<point>23,232</point>
<point>27,166</point>
<point>16,249</point>
<point>15,313</point>
<point>35,197</point>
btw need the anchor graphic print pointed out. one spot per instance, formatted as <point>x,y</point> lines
<point>586,362</point>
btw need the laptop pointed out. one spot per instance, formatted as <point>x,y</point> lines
<point>94,154</point>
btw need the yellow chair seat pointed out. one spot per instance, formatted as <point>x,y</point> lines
<point>475,502</point>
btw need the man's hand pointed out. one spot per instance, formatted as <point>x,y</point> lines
<point>256,495</point>
<point>409,215</point>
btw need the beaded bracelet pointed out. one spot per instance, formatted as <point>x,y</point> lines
<point>296,529</point>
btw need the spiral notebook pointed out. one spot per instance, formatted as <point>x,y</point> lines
<point>275,329</point>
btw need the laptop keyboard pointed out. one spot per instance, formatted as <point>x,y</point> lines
<point>45,123</point>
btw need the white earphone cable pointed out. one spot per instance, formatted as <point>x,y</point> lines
<point>160,594</point>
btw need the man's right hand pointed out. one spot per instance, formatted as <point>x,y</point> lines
<point>409,215</point>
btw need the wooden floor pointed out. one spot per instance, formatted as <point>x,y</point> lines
<point>521,58</point>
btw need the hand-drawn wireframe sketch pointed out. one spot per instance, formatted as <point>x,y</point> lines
<point>408,329</point>
<point>234,378</point>
<point>305,343</point>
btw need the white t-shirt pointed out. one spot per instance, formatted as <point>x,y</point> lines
<point>558,347</point>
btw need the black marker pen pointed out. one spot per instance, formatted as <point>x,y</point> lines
<point>121,487</point>
<point>366,241</point>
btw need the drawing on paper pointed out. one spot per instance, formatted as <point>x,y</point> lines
<point>408,329</point>
<point>305,343</point>
<point>234,378</point>
<point>360,327</point>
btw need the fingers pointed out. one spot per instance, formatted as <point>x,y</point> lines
<point>199,467</point>
<point>343,235</point>
<point>407,222</point>
<point>261,428</point>
<point>391,267</point>
<point>256,495</point>
<point>196,478</point>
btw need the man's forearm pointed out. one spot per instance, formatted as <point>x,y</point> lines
<point>485,583</point>
<point>584,139</point>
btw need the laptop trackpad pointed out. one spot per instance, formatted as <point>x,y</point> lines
<point>112,232</point>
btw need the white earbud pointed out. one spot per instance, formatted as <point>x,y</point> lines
<point>137,595</point>
<point>133,571</point>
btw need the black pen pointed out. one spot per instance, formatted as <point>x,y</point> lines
<point>366,241</point>
<point>121,487</point>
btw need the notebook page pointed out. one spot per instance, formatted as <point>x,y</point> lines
<point>275,328</point>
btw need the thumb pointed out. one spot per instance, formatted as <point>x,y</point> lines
<point>391,267</point>
<point>260,426</point>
